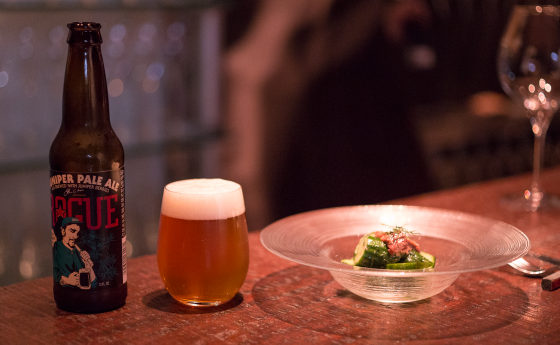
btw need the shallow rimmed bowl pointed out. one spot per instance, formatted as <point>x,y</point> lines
<point>460,242</point>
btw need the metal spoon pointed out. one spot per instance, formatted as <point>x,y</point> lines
<point>526,267</point>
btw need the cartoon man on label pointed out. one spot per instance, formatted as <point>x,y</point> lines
<point>71,265</point>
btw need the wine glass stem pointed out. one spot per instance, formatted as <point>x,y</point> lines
<point>538,157</point>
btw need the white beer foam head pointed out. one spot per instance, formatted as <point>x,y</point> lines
<point>203,199</point>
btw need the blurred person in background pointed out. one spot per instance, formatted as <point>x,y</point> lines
<point>317,105</point>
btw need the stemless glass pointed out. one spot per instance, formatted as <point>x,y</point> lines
<point>529,72</point>
<point>203,249</point>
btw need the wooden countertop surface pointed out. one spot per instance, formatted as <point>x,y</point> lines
<point>283,302</point>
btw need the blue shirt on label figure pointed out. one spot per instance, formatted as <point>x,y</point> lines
<point>72,266</point>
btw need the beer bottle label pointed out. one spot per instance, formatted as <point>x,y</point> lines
<point>88,229</point>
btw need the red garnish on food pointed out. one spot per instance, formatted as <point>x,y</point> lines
<point>414,244</point>
<point>397,242</point>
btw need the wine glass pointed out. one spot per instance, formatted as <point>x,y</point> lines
<point>529,72</point>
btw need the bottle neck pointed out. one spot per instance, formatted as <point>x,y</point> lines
<point>85,101</point>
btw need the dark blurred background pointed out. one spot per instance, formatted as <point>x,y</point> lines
<point>368,101</point>
<point>308,104</point>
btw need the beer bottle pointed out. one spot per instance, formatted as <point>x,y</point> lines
<point>87,186</point>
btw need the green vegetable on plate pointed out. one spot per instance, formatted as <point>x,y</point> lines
<point>391,250</point>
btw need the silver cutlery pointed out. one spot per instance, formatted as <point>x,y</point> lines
<point>526,267</point>
<point>550,282</point>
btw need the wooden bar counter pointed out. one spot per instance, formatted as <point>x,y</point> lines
<point>285,303</point>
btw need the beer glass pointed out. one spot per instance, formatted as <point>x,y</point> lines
<point>203,250</point>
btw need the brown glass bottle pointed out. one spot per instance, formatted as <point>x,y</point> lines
<point>87,185</point>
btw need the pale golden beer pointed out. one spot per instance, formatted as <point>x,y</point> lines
<point>203,251</point>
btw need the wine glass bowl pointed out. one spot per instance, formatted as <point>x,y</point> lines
<point>529,72</point>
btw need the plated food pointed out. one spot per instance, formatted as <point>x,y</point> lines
<point>391,249</point>
<point>323,238</point>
